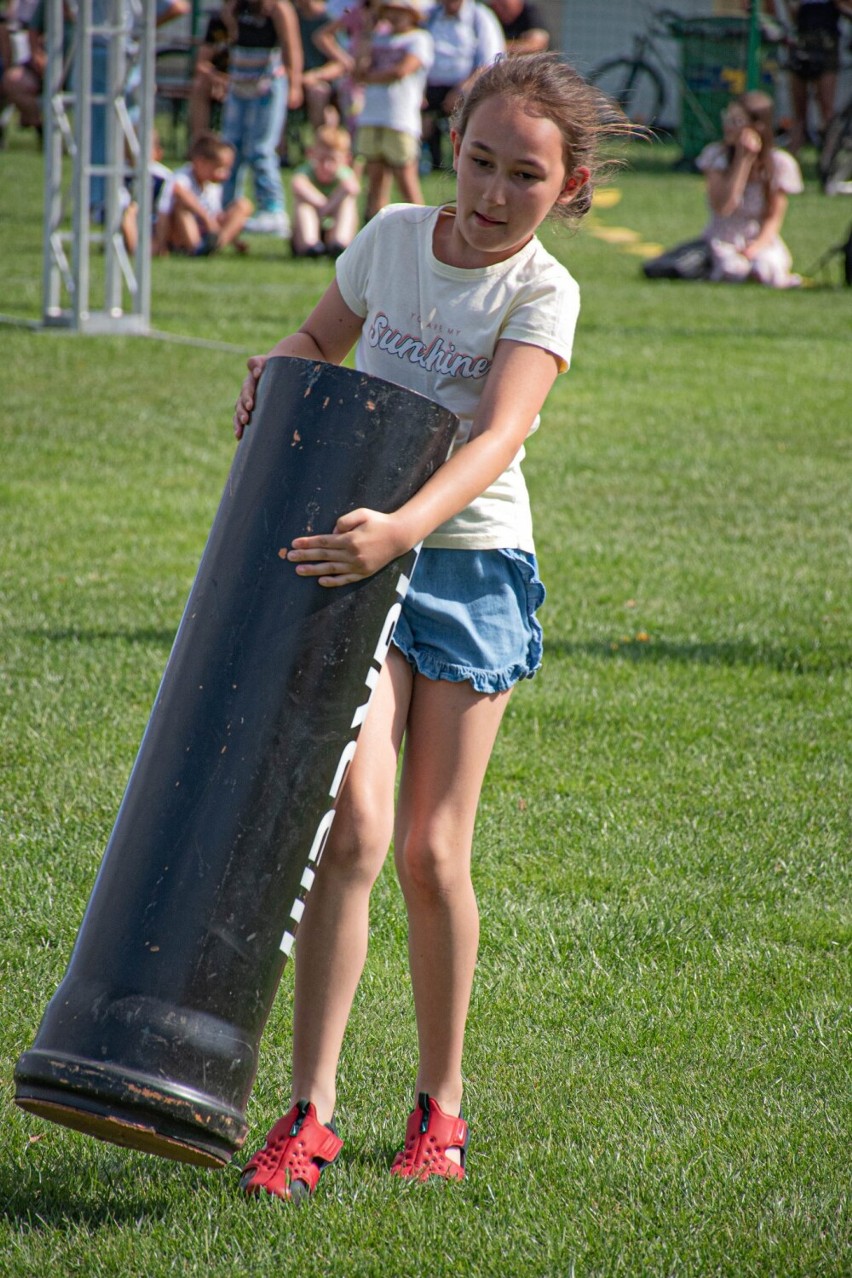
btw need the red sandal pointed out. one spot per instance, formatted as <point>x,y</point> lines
<point>430,1133</point>
<point>297,1150</point>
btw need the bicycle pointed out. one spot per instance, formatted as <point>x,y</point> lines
<point>632,81</point>
<point>638,85</point>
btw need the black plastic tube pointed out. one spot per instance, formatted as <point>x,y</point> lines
<point>152,1038</point>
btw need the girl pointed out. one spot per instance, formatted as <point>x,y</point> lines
<point>393,71</point>
<point>748,183</point>
<point>463,304</point>
<point>264,82</point>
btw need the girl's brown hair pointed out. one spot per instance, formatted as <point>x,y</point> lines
<point>548,87</point>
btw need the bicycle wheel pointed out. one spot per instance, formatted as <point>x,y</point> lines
<point>635,86</point>
<point>835,158</point>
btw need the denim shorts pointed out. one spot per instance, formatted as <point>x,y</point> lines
<point>470,615</point>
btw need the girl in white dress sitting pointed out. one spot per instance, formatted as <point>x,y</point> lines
<point>749,181</point>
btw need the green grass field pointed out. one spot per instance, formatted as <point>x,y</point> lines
<point>658,1059</point>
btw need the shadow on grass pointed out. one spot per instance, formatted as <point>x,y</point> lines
<point>357,1158</point>
<point>815,659</point>
<point>726,653</point>
<point>35,1202</point>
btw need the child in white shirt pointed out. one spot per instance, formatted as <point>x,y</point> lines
<point>191,216</point>
<point>393,72</point>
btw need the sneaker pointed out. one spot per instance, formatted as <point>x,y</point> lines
<point>270,222</point>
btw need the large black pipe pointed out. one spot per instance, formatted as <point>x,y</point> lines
<point>152,1038</point>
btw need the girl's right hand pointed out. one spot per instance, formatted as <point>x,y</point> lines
<point>248,391</point>
<point>749,140</point>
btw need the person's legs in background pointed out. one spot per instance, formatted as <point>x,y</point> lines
<point>263,131</point>
<point>235,129</point>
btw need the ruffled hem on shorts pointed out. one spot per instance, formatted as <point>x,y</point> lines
<point>431,666</point>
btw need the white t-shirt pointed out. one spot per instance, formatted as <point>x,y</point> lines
<point>464,41</point>
<point>210,194</point>
<point>397,105</point>
<point>434,328</point>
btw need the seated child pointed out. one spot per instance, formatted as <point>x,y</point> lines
<point>749,181</point>
<point>158,175</point>
<point>325,194</point>
<point>190,216</point>
<point>748,184</point>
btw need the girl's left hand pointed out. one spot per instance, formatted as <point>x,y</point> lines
<point>247,395</point>
<point>362,542</point>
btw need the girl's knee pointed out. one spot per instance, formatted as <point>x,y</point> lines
<point>353,859</point>
<point>358,841</point>
<point>432,866</point>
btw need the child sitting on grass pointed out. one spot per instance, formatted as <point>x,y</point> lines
<point>191,218</point>
<point>749,182</point>
<point>325,194</point>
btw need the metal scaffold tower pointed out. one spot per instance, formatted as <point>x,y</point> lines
<point>98,124</point>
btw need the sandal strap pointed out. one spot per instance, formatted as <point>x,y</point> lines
<point>429,1134</point>
<point>297,1148</point>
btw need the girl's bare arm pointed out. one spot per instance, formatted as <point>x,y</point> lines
<point>407,65</point>
<point>328,334</point>
<point>289,38</point>
<point>772,224</point>
<point>363,541</point>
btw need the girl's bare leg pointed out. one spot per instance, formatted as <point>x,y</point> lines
<point>799,126</point>
<point>331,945</point>
<point>408,181</point>
<point>451,732</point>
<point>379,178</point>
<point>826,90</point>
<point>200,96</point>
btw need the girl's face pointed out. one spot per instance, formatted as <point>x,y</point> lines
<point>734,120</point>
<point>511,172</point>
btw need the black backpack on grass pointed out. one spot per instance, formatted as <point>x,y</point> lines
<point>690,261</point>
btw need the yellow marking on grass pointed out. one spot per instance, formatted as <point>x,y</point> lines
<point>606,198</point>
<point>615,234</point>
<point>627,240</point>
<point>644,249</point>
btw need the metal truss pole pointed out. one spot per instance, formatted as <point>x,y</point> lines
<point>88,120</point>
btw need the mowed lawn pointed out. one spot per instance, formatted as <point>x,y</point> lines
<point>657,1073</point>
